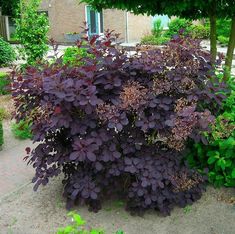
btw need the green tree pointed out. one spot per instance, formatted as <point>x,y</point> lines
<point>9,7</point>
<point>230,51</point>
<point>191,9</point>
<point>213,9</point>
<point>31,30</point>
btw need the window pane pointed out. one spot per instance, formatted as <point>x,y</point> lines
<point>93,21</point>
<point>164,20</point>
<point>101,22</point>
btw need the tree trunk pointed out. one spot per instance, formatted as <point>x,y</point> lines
<point>230,50</point>
<point>213,35</point>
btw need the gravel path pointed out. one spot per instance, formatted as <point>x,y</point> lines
<point>14,172</point>
<point>27,212</point>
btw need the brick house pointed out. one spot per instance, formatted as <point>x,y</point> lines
<point>67,16</point>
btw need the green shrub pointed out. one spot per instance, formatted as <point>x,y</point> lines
<point>223,30</point>
<point>152,40</point>
<point>157,37</point>
<point>3,114</point>
<point>77,227</point>
<point>72,55</point>
<point>223,40</point>
<point>176,25</point>
<point>200,31</point>
<point>7,53</point>
<point>22,130</point>
<point>31,31</point>
<point>157,28</point>
<point>219,155</point>
<point>13,37</point>
<point>223,27</point>
<point>4,82</point>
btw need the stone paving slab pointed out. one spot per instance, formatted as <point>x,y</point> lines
<point>14,172</point>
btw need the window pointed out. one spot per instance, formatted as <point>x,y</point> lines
<point>164,19</point>
<point>101,22</point>
<point>94,20</point>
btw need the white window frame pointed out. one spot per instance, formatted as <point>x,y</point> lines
<point>99,21</point>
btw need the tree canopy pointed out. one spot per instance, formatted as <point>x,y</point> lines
<point>185,8</point>
<point>191,9</point>
<point>9,7</point>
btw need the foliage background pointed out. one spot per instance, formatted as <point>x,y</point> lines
<point>31,31</point>
<point>7,53</point>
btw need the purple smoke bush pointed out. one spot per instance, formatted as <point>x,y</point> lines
<point>117,124</point>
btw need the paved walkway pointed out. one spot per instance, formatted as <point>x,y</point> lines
<point>5,69</point>
<point>206,45</point>
<point>14,172</point>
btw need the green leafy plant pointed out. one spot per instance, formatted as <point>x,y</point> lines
<point>22,130</point>
<point>178,24</point>
<point>31,31</point>
<point>73,55</point>
<point>223,40</point>
<point>223,30</point>
<point>223,27</point>
<point>157,28</point>
<point>157,37</point>
<point>200,31</point>
<point>7,53</point>
<point>218,157</point>
<point>78,227</point>
<point>187,209</point>
<point>3,114</point>
<point>4,82</point>
<point>13,38</point>
<point>9,7</point>
<point>152,40</point>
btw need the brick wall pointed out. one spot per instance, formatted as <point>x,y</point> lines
<point>64,16</point>
<point>115,20</point>
<point>138,25</point>
<point>68,16</point>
